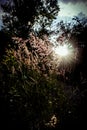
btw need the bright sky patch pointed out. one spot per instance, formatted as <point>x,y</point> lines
<point>70,10</point>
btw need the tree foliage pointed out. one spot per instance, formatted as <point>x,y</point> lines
<point>20,15</point>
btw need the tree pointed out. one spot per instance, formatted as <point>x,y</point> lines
<point>21,15</point>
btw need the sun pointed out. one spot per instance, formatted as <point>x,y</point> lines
<point>64,53</point>
<point>62,50</point>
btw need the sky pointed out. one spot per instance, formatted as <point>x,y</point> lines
<point>68,9</point>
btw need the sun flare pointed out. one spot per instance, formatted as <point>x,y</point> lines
<point>64,53</point>
<point>62,50</point>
